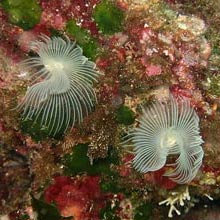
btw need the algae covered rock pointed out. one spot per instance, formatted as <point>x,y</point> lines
<point>78,162</point>
<point>108,17</point>
<point>24,13</point>
<point>125,115</point>
<point>83,38</point>
<point>143,212</point>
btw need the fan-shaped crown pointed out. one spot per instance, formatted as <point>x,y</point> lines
<point>164,129</point>
<point>64,93</point>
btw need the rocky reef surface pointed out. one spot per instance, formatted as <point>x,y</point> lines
<point>144,52</point>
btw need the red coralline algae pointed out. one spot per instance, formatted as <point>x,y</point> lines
<point>108,93</point>
<point>147,34</point>
<point>158,179</point>
<point>26,37</point>
<point>9,51</point>
<point>53,15</point>
<point>126,168</point>
<point>163,181</point>
<point>177,91</point>
<point>56,13</point>
<point>79,197</point>
<point>9,35</point>
<point>153,70</point>
<point>148,43</point>
<point>170,52</point>
<point>206,169</point>
<point>56,20</point>
<point>8,29</point>
<point>102,63</point>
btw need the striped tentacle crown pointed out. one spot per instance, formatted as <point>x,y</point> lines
<point>61,90</point>
<point>168,129</point>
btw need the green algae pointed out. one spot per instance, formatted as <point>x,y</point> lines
<point>24,13</point>
<point>125,115</point>
<point>143,212</point>
<point>88,43</point>
<point>109,212</point>
<point>110,184</point>
<point>25,217</point>
<point>40,132</point>
<point>34,129</point>
<point>78,162</point>
<point>56,33</point>
<point>46,211</point>
<point>216,50</point>
<point>108,17</point>
<point>214,85</point>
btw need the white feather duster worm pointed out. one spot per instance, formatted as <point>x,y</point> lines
<point>170,128</point>
<point>65,91</point>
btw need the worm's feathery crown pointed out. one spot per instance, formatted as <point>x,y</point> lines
<point>65,91</point>
<point>168,129</point>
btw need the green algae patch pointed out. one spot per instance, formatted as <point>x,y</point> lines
<point>109,211</point>
<point>46,211</point>
<point>110,184</point>
<point>34,129</point>
<point>83,38</point>
<point>56,33</point>
<point>214,85</point>
<point>24,13</point>
<point>38,132</point>
<point>108,17</point>
<point>78,162</point>
<point>143,212</point>
<point>125,115</point>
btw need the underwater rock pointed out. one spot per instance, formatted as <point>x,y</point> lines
<point>74,196</point>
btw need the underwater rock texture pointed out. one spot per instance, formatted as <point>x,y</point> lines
<point>144,50</point>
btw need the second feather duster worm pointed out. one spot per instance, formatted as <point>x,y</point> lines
<point>168,129</point>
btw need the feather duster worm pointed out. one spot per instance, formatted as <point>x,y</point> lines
<point>168,129</point>
<point>65,93</point>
